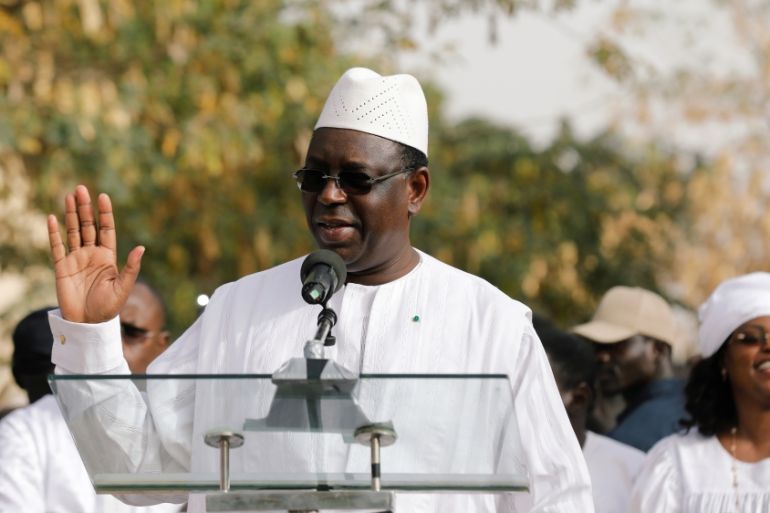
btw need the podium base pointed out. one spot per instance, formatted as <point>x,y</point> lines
<point>299,500</point>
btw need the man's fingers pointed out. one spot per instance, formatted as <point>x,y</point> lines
<point>106,223</point>
<point>130,272</point>
<point>54,237</point>
<point>85,215</point>
<point>71,222</point>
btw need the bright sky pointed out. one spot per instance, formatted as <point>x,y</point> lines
<point>538,71</point>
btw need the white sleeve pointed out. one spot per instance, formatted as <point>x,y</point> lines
<point>81,348</point>
<point>22,475</point>
<point>658,487</point>
<point>558,476</point>
<point>118,428</point>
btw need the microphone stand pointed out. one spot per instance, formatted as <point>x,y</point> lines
<point>323,336</point>
<point>313,369</point>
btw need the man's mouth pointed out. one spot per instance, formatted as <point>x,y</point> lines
<point>607,375</point>
<point>333,223</point>
<point>332,231</point>
<point>606,370</point>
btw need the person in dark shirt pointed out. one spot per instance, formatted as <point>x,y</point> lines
<point>31,362</point>
<point>633,331</point>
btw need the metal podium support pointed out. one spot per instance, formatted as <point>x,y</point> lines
<point>224,440</point>
<point>375,436</point>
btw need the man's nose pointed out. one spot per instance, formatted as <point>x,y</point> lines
<point>603,357</point>
<point>332,193</point>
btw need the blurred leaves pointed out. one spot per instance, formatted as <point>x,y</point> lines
<point>710,93</point>
<point>611,57</point>
<point>187,113</point>
<point>558,226</point>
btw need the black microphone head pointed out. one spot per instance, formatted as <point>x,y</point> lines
<point>314,290</point>
<point>328,257</point>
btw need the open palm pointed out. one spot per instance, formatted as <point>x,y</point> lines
<point>89,286</point>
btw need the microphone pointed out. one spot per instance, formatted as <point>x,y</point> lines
<point>323,273</point>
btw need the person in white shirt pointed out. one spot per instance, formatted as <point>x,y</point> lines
<point>41,470</point>
<point>721,463</point>
<point>365,176</point>
<point>613,465</point>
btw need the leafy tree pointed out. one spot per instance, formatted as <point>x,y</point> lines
<point>555,227</point>
<point>191,115</point>
<point>702,81</point>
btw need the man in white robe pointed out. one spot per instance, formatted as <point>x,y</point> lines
<point>401,311</point>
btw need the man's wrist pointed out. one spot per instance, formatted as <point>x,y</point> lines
<point>84,348</point>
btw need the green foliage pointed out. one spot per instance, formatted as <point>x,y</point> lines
<point>554,227</point>
<point>191,115</point>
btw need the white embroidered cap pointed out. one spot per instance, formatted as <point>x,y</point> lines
<point>733,302</point>
<point>392,107</point>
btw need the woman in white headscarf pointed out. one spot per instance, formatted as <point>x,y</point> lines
<point>721,462</point>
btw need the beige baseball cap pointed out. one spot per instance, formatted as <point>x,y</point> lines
<point>627,311</point>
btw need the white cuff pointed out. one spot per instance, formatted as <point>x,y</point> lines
<point>82,348</point>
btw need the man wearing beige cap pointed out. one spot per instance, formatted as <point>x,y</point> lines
<point>633,331</point>
<point>364,178</point>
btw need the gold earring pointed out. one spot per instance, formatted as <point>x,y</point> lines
<point>724,374</point>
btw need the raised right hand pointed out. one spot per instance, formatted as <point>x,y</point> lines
<point>88,285</point>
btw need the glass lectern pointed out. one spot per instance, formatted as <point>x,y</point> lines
<point>256,443</point>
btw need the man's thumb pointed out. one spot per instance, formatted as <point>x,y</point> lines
<point>131,270</point>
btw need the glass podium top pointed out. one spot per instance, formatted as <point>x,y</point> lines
<point>148,433</point>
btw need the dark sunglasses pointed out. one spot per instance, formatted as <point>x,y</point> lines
<point>350,182</point>
<point>751,335</point>
<point>130,332</point>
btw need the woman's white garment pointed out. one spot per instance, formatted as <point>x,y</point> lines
<point>691,473</point>
<point>41,471</point>
<point>436,319</point>
<point>613,467</point>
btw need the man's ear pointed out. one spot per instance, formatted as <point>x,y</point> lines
<point>417,183</point>
<point>164,339</point>
<point>661,348</point>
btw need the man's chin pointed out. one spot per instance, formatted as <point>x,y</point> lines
<point>345,252</point>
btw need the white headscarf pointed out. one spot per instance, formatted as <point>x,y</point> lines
<point>733,302</point>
